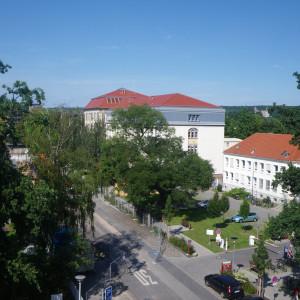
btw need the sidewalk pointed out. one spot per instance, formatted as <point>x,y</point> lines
<point>205,263</point>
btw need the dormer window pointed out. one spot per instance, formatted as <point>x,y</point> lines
<point>285,153</point>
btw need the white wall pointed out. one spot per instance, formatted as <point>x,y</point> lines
<point>240,176</point>
<point>210,143</point>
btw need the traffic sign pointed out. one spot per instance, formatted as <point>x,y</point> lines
<point>218,231</point>
<point>163,219</point>
<point>274,279</point>
<point>108,293</point>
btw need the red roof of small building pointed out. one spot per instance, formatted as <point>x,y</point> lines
<point>267,145</point>
<point>122,98</point>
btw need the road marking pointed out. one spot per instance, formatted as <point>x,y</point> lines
<point>142,277</point>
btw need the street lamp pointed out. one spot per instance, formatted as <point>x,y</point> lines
<point>233,239</point>
<point>80,279</point>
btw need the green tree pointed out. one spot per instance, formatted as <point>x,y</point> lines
<point>288,179</point>
<point>286,223</point>
<point>150,167</point>
<point>224,204</point>
<point>243,124</point>
<point>169,213</point>
<point>260,258</point>
<point>297,75</point>
<point>214,207</point>
<point>4,68</point>
<point>59,193</point>
<point>244,210</point>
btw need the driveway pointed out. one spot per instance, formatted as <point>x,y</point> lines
<point>262,212</point>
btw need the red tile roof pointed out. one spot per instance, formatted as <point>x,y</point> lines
<point>267,145</point>
<point>123,98</point>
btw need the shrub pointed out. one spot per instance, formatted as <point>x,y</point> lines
<point>182,244</point>
<point>241,277</point>
<point>240,192</point>
<point>249,287</point>
<point>227,272</point>
<point>219,188</point>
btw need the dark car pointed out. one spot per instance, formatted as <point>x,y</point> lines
<point>252,298</point>
<point>227,286</point>
<point>203,204</point>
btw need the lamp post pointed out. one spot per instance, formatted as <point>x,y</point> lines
<point>233,239</point>
<point>80,279</point>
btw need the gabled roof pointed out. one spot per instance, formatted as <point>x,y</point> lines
<point>267,145</point>
<point>122,98</point>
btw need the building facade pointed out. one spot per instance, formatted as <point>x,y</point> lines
<point>200,124</point>
<point>253,163</point>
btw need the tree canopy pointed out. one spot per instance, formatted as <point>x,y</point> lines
<point>146,160</point>
<point>286,223</point>
<point>57,193</point>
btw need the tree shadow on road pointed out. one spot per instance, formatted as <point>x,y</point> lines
<point>119,258</point>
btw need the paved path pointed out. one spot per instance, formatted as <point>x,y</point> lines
<point>194,267</point>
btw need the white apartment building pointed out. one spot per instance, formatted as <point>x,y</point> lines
<point>200,124</point>
<point>253,163</point>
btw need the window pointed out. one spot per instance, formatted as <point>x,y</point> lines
<point>193,133</point>
<point>243,164</point>
<point>236,177</point>
<point>254,181</point>
<point>268,184</point>
<point>274,189</point>
<point>248,180</point>
<point>262,167</point>
<point>261,183</point>
<point>255,166</point>
<point>268,168</point>
<point>194,118</point>
<point>275,168</point>
<point>231,162</point>
<point>226,161</point>
<point>193,148</point>
<point>237,163</point>
<point>249,165</point>
<point>242,179</point>
<point>231,176</point>
<point>226,174</point>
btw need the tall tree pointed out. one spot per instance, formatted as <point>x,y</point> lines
<point>146,160</point>
<point>243,124</point>
<point>244,210</point>
<point>225,204</point>
<point>288,178</point>
<point>297,75</point>
<point>287,223</point>
<point>58,192</point>
<point>260,258</point>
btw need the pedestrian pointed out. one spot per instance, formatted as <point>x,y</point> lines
<point>296,290</point>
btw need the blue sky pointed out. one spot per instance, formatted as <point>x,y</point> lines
<point>234,52</point>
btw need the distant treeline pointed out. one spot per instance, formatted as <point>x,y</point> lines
<point>242,121</point>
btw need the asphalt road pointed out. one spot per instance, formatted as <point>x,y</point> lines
<point>262,212</point>
<point>137,277</point>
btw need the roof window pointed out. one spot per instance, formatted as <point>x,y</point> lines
<point>237,147</point>
<point>253,150</point>
<point>285,153</point>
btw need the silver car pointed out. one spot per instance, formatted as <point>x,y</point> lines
<point>203,204</point>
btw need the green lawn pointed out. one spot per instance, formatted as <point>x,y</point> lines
<point>200,222</point>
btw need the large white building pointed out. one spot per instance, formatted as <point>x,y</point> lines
<point>200,124</point>
<point>253,163</point>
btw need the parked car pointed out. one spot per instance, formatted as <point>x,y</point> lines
<point>227,286</point>
<point>252,217</point>
<point>252,298</point>
<point>203,204</point>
